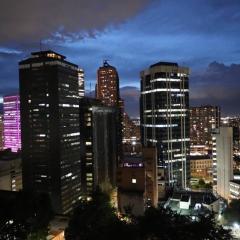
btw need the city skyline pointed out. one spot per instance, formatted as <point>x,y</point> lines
<point>146,32</point>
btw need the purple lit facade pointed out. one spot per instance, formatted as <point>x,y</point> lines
<point>1,132</point>
<point>11,123</point>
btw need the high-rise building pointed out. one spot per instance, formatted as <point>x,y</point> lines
<point>164,112</point>
<point>1,132</point>
<point>131,136</point>
<point>98,127</point>
<point>11,123</point>
<point>81,83</point>
<point>203,120</point>
<point>107,91</point>
<point>233,122</point>
<point>49,92</point>
<point>222,160</point>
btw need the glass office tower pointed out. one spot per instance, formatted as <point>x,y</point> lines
<point>11,123</point>
<point>49,92</point>
<point>164,109</point>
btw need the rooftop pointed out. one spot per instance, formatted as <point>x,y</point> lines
<point>164,64</point>
<point>48,53</point>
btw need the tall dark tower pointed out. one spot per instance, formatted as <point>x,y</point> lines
<point>107,91</point>
<point>98,145</point>
<point>164,109</point>
<point>49,93</point>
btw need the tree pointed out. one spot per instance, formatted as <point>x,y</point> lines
<point>232,212</point>
<point>98,220</point>
<point>164,224</point>
<point>24,214</point>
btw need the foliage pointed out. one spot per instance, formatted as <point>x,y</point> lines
<point>24,215</point>
<point>202,185</point>
<point>232,212</point>
<point>97,220</point>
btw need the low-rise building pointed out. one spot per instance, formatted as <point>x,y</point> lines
<point>57,228</point>
<point>10,171</point>
<point>201,167</point>
<point>137,182</point>
<point>234,189</point>
<point>193,203</point>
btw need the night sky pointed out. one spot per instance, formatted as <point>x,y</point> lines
<point>132,34</point>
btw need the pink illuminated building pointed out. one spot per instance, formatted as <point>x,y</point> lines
<point>1,132</point>
<point>11,123</point>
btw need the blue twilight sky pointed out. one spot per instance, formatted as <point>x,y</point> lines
<point>131,34</point>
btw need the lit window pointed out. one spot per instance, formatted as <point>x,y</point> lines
<point>134,180</point>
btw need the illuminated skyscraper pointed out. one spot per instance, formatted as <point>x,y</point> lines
<point>203,120</point>
<point>164,109</point>
<point>81,83</point>
<point>107,89</point>
<point>11,123</point>
<point>49,91</point>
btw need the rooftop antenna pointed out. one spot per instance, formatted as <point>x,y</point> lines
<point>105,62</point>
<point>40,45</point>
<point>90,89</point>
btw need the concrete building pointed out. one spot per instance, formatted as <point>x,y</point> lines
<point>11,123</point>
<point>233,122</point>
<point>222,160</point>
<point>10,171</point>
<point>137,181</point>
<point>193,204</point>
<point>202,168</point>
<point>131,188</point>
<point>164,112</point>
<point>49,92</point>
<point>98,128</point>
<point>131,136</point>
<point>153,185</point>
<point>234,189</point>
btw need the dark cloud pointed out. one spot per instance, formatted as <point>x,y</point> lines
<point>131,100</point>
<point>219,84</point>
<point>32,20</point>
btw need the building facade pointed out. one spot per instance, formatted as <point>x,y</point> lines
<point>203,120</point>
<point>222,160</point>
<point>202,168</point>
<point>131,136</point>
<point>233,122</point>
<point>11,123</point>
<point>164,112</point>
<point>234,189</point>
<point>49,92</point>
<point>81,83</point>
<point>107,91</point>
<point>10,171</point>
<point>98,127</point>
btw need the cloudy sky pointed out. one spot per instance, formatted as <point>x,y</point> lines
<point>131,34</point>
